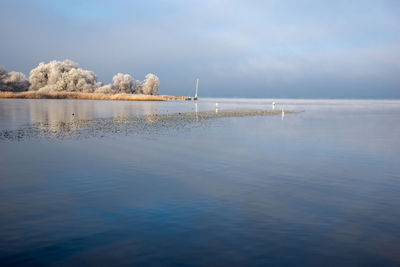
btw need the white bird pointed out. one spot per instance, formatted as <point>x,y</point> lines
<point>216,105</point>
<point>273,105</point>
<point>283,114</point>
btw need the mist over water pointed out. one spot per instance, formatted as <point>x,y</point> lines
<point>318,187</point>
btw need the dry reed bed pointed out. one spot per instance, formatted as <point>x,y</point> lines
<point>89,96</point>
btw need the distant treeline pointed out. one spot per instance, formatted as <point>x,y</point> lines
<point>66,76</point>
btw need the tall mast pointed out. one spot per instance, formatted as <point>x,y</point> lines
<point>197,87</point>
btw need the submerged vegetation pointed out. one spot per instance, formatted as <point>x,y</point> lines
<point>126,125</point>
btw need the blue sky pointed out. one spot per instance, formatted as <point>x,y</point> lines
<point>303,48</point>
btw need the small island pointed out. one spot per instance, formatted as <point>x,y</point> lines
<point>65,80</point>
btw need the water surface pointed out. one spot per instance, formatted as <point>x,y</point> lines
<point>318,187</point>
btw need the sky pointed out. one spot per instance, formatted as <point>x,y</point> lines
<point>270,48</point>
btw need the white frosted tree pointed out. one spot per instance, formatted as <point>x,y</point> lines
<point>105,89</point>
<point>66,76</point>
<point>62,76</point>
<point>138,87</point>
<point>13,81</point>
<point>150,84</point>
<point>123,83</point>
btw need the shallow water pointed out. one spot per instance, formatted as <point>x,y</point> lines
<point>318,187</point>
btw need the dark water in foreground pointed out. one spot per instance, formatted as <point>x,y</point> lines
<point>321,187</point>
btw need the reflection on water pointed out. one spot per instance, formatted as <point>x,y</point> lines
<point>321,187</point>
<point>60,118</point>
<point>55,126</point>
<point>53,112</point>
<point>68,111</point>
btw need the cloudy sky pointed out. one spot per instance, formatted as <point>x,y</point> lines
<point>270,48</point>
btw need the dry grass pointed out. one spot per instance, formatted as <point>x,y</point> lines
<point>90,96</point>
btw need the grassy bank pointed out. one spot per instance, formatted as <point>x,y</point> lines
<point>90,96</point>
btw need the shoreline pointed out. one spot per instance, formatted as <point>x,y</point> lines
<point>90,96</point>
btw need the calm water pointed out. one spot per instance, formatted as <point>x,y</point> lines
<point>321,187</point>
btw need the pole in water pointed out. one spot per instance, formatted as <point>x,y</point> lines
<point>283,114</point>
<point>197,88</point>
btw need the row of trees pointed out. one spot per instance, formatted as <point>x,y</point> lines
<point>13,81</point>
<point>66,76</point>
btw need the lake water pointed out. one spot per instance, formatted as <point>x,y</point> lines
<point>319,187</point>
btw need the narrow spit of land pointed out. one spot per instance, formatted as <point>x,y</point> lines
<point>90,96</point>
<point>142,124</point>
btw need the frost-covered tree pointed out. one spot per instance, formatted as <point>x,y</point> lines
<point>13,81</point>
<point>66,76</point>
<point>150,84</point>
<point>62,76</point>
<point>138,87</point>
<point>123,83</point>
<point>105,89</point>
